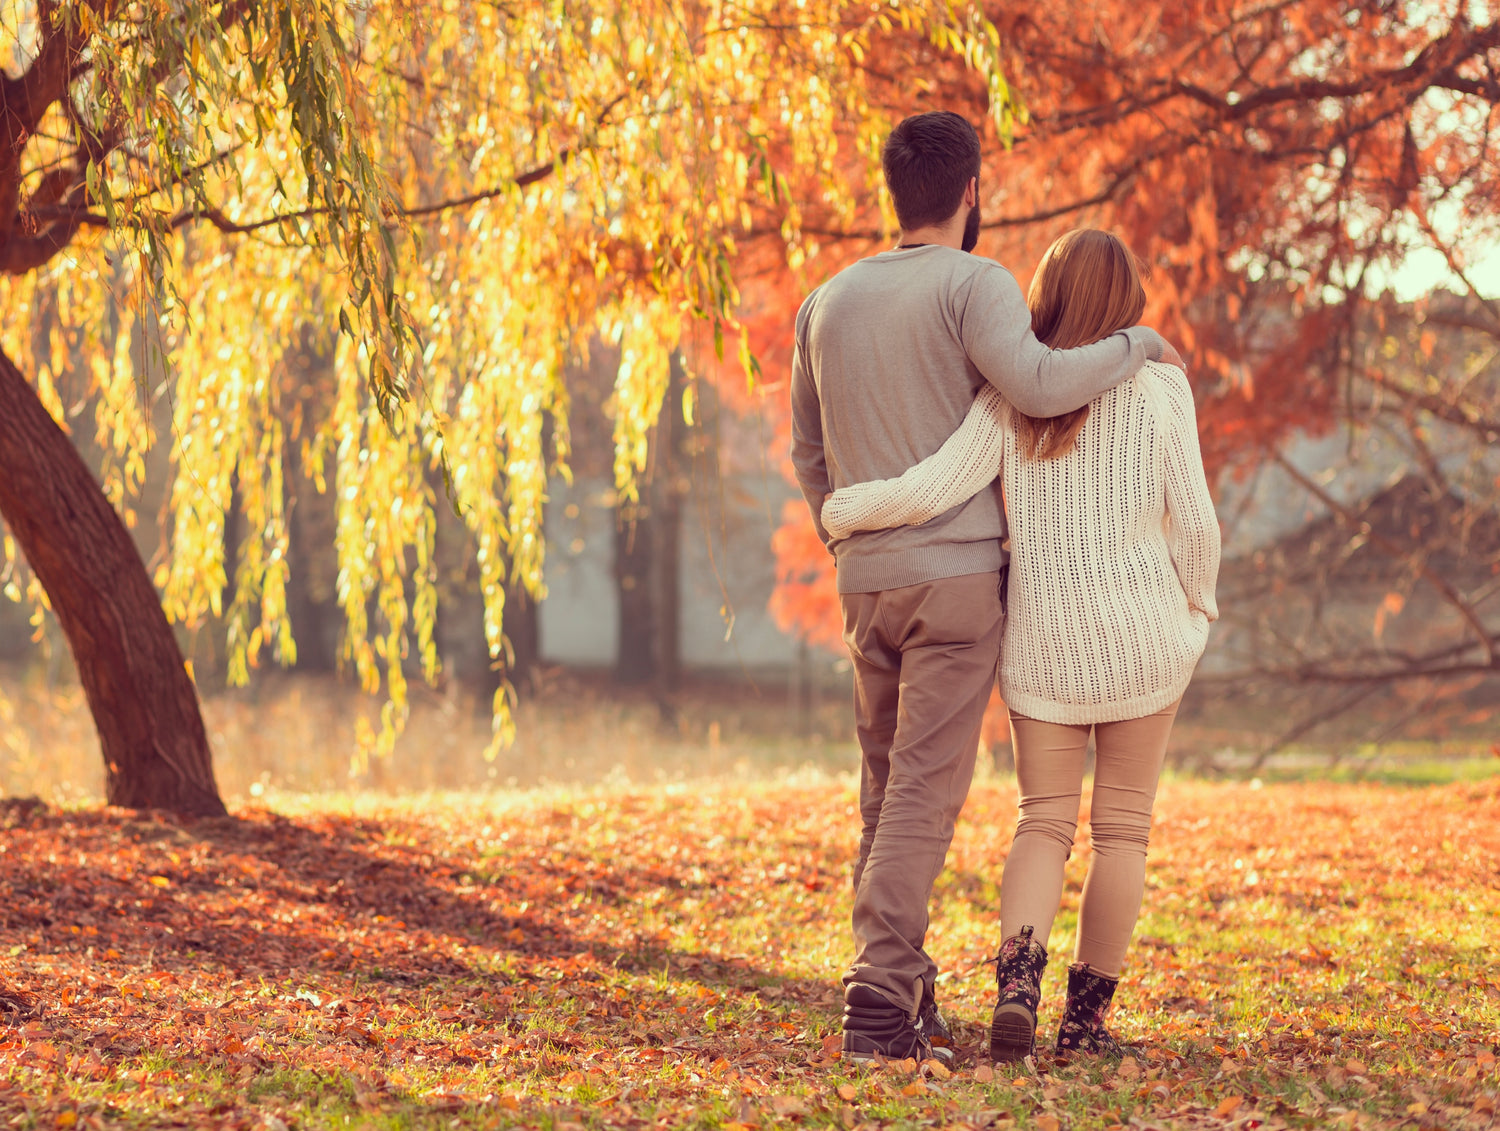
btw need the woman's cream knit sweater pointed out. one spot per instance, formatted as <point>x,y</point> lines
<point>1114,547</point>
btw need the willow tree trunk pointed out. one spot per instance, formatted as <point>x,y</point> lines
<point>145,706</point>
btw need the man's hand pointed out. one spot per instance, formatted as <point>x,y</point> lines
<point>1170,356</point>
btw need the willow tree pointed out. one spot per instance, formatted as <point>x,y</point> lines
<point>470,194</point>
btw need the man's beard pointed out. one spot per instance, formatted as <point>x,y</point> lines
<point>971,229</point>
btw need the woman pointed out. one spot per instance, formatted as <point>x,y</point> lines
<point>1115,553</point>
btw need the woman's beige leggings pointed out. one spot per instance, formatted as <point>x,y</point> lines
<point>1049,771</point>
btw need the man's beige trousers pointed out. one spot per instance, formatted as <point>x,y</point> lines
<point>924,662</point>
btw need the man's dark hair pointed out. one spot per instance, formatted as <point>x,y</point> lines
<point>928,160</point>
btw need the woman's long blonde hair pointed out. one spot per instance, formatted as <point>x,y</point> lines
<point>1087,286</point>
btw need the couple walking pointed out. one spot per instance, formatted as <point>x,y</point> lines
<point>937,413</point>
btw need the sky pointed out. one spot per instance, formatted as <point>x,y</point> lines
<point>1424,271</point>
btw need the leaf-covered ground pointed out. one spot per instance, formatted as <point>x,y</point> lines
<point>1310,955</point>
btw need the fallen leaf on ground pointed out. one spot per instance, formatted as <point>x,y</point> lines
<point>1228,1106</point>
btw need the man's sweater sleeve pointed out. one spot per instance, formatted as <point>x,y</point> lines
<point>808,459</point>
<point>1039,381</point>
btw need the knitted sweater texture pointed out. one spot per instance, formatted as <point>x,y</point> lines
<point>1114,546</point>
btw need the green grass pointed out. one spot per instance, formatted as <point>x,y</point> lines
<point>1387,769</point>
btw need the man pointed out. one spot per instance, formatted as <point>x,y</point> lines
<point>889,355</point>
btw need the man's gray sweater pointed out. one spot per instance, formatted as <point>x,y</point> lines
<point>889,355</point>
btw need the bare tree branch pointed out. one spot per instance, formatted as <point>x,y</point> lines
<point>1339,705</point>
<point>1486,638</point>
<point>217,218</point>
<point>30,236</point>
<point>1439,663</point>
<point>1451,412</point>
<point>20,254</point>
<point>1438,58</point>
<point>25,99</point>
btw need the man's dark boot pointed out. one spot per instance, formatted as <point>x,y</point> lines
<point>1082,1029</point>
<point>935,1026</point>
<point>876,1028</point>
<point>1018,973</point>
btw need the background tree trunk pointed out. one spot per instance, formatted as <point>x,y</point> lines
<point>523,630</point>
<point>144,705</point>
<point>648,542</point>
<point>672,469</point>
<point>635,537</point>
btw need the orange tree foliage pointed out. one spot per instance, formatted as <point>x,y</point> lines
<point>1276,166</point>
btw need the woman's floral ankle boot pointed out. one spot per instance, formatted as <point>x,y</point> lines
<point>1018,973</point>
<point>1082,1029</point>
